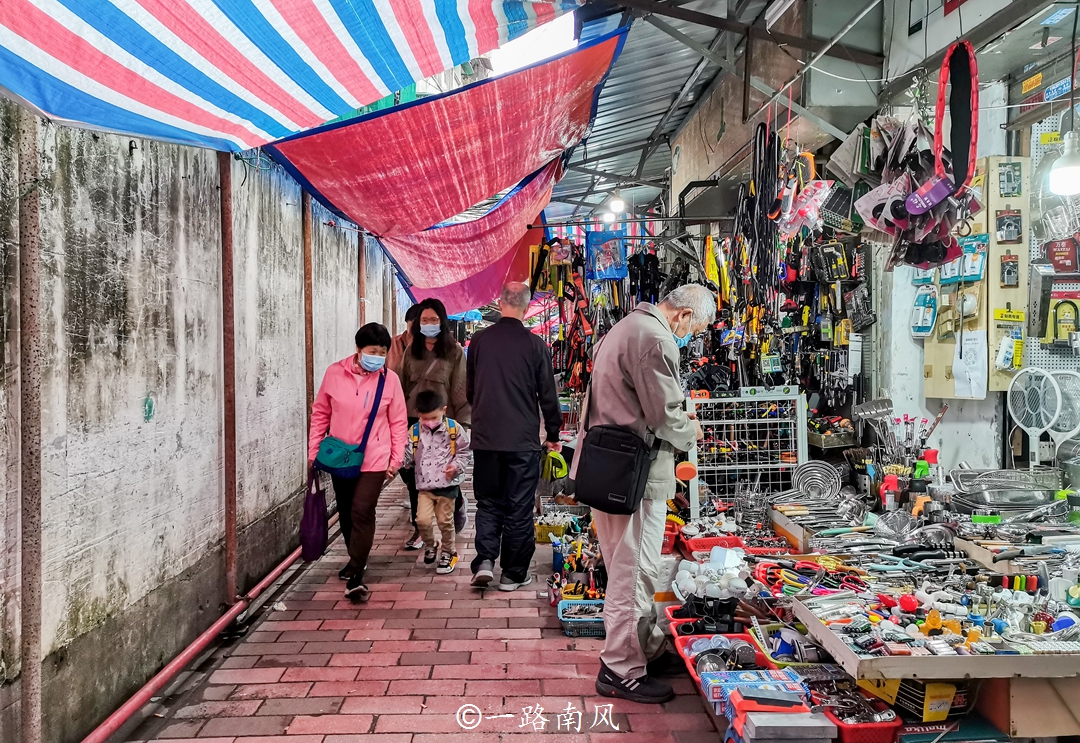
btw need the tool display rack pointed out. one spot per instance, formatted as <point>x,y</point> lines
<point>760,432</point>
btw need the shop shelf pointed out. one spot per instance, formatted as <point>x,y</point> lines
<point>581,627</point>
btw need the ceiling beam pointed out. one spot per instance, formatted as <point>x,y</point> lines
<point>620,179</point>
<point>605,155</point>
<point>758,32</point>
<point>729,68</point>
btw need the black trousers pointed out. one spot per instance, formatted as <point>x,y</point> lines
<point>356,502</point>
<point>504,484</point>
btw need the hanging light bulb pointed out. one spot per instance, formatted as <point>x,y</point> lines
<point>618,206</point>
<point>1065,172</point>
<point>608,217</point>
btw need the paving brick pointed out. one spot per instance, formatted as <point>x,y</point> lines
<point>511,612</point>
<point>501,688</point>
<point>271,691</point>
<point>338,615</point>
<point>182,729</point>
<point>281,739</point>
<point>531,671</point>
<point>630,737</point>
<point>459,737</point>
<point>404,646</point>
<point>284,661</point>
<point>243,661</point>
<point>310,706</point>
<point>348,688</point>
<point>417,623</point>
<point>318,635</point>
<point>268,648</point>
<point>480,646</point>
<point>218,709</point>
<point>396,614</point>
<point>523,633</point>
<point>327,724</point>
<point>301,625</point>
<point>551,622</point>
<point>353,624</point>
<point>442,634</point>
<point>396,672</point>
<point>247,676</point>
<point>475,623</point>
<point>336,647</point>
<point>448,613</point>
<point>365,659</point>
<point>244,726</point>
<point>433,687</point>
<point>669,722</point>
<point>553,644</point>
<point>360,635</point>
<point>214,692</point>
<point>320,674</point>
<point>383,706</point>
<point>433,659</point>
<point>263,636</point>
<point>282,615</point>
<point>469,672</point>
<point>370,738</point>
<point>417,724</point>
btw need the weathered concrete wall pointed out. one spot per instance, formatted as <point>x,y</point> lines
<point>133,392</point>
<point>335,253</point>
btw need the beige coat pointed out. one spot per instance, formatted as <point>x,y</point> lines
<point>635,383</point>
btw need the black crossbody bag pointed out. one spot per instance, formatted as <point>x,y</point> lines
<point>613,466</point>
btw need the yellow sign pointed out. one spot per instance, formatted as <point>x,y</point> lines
<point>1031,83</point>
<point>885,689</point>
<point>1009,315</point>
<point>938,701</point>
<point>1050,138</point>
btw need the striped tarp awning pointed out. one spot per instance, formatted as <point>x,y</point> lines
<point>236,74</point>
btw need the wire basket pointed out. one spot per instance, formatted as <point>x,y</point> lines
<point>751,507</point>
<point>543,530</point>
<point>590,627</point>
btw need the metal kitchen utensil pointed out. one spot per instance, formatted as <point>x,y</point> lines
<point>816,479</point>
<point>895,525</point>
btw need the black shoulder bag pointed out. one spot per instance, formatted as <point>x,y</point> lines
<point>613,466</point>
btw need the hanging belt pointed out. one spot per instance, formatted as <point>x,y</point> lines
<point>964,134</point>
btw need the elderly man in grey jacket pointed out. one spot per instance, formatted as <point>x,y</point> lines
<point>635,383</point>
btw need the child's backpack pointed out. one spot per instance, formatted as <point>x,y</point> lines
<point>451,427</point>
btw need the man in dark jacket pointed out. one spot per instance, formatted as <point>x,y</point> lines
<point>509,381</point>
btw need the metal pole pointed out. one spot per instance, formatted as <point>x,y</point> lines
<point>361,281</point>
<point>309,330</point>
<point>818,57</point>
<point>228,330</point>
<point>30,352</point>
<point>641,220</point>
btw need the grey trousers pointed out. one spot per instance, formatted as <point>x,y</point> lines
<point>631,547</point>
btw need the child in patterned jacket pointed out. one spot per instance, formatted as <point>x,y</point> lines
<point>439,447</point>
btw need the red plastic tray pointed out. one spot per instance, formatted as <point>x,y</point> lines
<point>867,732</point>
<point>682,645</point>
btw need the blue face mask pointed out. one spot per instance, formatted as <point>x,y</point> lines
<point>430,331</point>
<point>683,341</point>
<point>372,363</point>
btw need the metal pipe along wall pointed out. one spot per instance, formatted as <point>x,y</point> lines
<point>228,330</point>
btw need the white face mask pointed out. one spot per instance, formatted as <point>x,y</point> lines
<point>430,331</point>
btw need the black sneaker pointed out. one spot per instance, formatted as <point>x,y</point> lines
<point>355,590</point>
<point>485,573</point>
<point>345,573</point>
<point>447,563</point>
<point>429,557</point>
<point>643,690</point>
<point>666,665</point>
<point>461,514</point>
<point>414,542</point>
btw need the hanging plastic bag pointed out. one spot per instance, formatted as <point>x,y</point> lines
<point>313,526</point>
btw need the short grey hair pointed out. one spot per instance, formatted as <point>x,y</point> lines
<point>516,295</point>
<point>696,298</point>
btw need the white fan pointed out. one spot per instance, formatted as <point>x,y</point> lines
<point>1067,424</point>
<point>1034,404</point>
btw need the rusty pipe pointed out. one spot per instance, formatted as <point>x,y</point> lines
<point>117,719</point>
<point>228,355</point>
<point>361,281</point>
<point>30,353</point>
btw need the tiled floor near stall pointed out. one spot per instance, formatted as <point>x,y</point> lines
<point>399,669</point>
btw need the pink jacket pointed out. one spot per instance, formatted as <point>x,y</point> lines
<point>342,406</point>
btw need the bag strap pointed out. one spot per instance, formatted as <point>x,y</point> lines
<point>451,427</point>
<point>414,432</point>
<point>374,411</point>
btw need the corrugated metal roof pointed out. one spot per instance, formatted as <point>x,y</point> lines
<point>646,79</point>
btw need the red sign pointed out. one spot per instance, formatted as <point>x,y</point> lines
<point>951,5</point>
<point>1029,103</point>
<point>1062,253</point>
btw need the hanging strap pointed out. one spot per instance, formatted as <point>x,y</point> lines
<point>961,69</point>
<point>373,412</point>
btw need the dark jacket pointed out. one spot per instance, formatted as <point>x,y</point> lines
<point>510,379</point>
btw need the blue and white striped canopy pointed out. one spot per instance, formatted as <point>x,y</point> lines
<point>235,74</point>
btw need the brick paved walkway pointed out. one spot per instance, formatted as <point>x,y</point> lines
<point>397,669</point>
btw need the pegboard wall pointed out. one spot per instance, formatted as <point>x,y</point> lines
<point>1050,358</point>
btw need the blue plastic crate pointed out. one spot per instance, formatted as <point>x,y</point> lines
<point>581,627</point>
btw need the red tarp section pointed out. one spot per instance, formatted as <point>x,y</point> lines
<point>400,171</point>
<point>479,255</point>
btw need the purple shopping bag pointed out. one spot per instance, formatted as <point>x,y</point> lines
<point>313,525</point>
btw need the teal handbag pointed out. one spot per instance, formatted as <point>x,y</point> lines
<point>345,460</point>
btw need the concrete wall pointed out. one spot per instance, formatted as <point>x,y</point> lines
<point>133,394</point>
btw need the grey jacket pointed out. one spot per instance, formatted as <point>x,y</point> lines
<point>635,383</point>
<point>432,452</point>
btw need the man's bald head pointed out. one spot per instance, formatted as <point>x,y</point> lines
<point>514,299</point>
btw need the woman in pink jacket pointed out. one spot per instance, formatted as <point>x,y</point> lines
<point>341,410</point>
